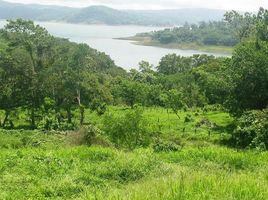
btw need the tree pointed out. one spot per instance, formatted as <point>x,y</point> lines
<point>147,74</point>
<point>244,26</point>
<point>222,33</point>
<point>201,59</point>
<point>132,92</point>
<point>145,67</point>
<point>193,96</point>
<point>172,64</point>
<point>213,80</point>
<point>262,25</point>
<point>76,84</point>
<point>252,130</point>
<point>174,100</point>
<point>249,77</point>
<point>37,70</point>
<point>80,69</point>
<point>127,130</point>
<point>8,81</point>
<point>153,95</point>
<point>249,67</point>
<point>36,41</point>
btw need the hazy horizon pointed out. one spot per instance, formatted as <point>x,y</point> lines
<point>242,5</point>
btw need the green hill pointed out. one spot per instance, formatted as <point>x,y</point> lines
<point>106,15</point>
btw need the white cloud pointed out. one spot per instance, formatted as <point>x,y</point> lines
<point>244,5</point>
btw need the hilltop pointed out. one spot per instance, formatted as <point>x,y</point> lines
<point>107,15</point>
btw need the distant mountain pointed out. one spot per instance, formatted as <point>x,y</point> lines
<point>102,15</point>
<point>180,16</point>
<point>34,12</point>
<point>106,15</point>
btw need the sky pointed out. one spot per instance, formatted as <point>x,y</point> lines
<point>242,5</point>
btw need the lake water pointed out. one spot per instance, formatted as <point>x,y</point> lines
<point>123,52</point>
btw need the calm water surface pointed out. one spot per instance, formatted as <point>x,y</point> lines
<point>123,52</point>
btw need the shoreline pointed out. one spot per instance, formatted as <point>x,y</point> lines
<point>147,41</point>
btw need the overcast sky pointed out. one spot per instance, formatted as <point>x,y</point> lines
<point>243,5</point>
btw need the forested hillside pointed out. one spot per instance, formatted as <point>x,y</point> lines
<point>74,125</point>
<point>106,15</point>
<point>211,36</point>
<point>49,78</point>
<point>39,70</point>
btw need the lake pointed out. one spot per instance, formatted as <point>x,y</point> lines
<point>123,52</point>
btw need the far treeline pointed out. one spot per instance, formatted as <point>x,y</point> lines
<point>53,81</point>
<point>228,32</point>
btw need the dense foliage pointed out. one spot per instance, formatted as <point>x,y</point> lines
<point>252,130</point>
<point>229,32</point>
<point>207,33</point>
<point>49,83</point>
<point>48,76</point>
<point>154,133</point>
<point>129,130</point>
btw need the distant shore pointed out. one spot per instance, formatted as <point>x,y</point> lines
<point>147,41</point>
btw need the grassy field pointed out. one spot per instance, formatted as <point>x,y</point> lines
<point>50,165</point>
<point>147,41</point>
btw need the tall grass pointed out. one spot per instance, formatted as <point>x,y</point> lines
<point>39,165</point>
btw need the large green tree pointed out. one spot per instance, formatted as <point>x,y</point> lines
<point>36,43</point>
<point>250,77</point>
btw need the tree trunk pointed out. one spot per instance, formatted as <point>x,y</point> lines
<point>176,113</point>
<point>69,115</point>
<point>7,113</point>
<point>32,118</point>
<point>34,81</point>
<point>82,115</point>
<point>81,107</point>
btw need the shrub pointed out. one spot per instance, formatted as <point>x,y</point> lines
<point>99,106</point>
<point>188,118</point>
<point>128,130</point>
<point>213,108</point>
<point>88,135</point>
<point>205,123</point>
<point>252,130</point>
<point>49,122</point>
<point>163,146</point>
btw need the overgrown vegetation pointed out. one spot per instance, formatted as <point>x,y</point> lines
<point>252,130</point>
<point>215,36</point>
<point>127,130</point>
<point>74,125</point>
<point>36,164</point>
<point>206,33</point>
<point>50,77</point>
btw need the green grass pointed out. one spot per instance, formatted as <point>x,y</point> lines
<point>44,165</point>
<point>173,128</point>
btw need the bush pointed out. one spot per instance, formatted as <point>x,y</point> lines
<point>213,108</point>
<point>205,123</point>
<point>252,130</point>
<point>162,146</point>
<point>128,130</point>
<point>49,122</point>
<point>188,118</point>
<point>88,135</point>
<point>95,136</point>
